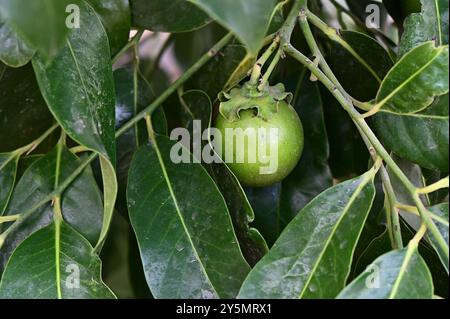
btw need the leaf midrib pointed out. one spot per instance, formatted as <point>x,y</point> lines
<point>408,255</point>
<point>409,79</point>
<point>356,193</point>
<point>57,258</point>
<point>75,60</point>
<point>438,17</point>
<point>417,115</point>
<point>177,208</point>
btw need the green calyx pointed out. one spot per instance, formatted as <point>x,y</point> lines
<point>249,97</point>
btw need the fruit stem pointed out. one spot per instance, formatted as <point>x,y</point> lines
<point>257,68</point>
<point>289,25</point>
<point>270,70</point>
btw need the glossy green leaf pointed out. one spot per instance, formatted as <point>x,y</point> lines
<point>147,92</point>
<point>304,263</point>
<point>24,116</point>
<point>399,274</point>
<point>185,235</point>
<point>421,138</point>
<point>13,51</point>
<point>429,25</point>
<point>78,86</point>
<point>116,18</point>
<point>46,33</point>
<point>81,203</point>
<point>55,262</point>
<point>8,170</point>
<point>25,162</point>
<point>110,189</point>
<point>414,82</point>
<point>441,210</point>
<point>158,15</point>
<point>361,68</point>
<point>249,20</point>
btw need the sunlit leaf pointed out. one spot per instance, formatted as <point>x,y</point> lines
<point>416,80</point>
<point>303,262</point>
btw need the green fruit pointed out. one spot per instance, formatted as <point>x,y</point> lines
<point>260,112</point>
